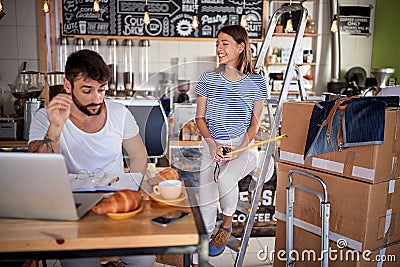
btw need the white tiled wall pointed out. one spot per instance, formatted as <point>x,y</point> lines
<point>19,43</point>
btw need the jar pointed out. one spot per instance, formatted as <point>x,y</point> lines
<point>63,52</point>
<point>144,46</point>
<point>308,56</point>
<point>311,26</point>
<point>112,61</point>
<point>95,45</point>
<point>128,64</point>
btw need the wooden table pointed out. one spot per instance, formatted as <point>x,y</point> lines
<point>99,235</point>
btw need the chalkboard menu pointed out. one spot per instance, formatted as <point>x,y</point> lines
<point>168,18</point>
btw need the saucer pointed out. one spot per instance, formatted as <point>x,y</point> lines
<point>159,198</point>
<point>124,215</point>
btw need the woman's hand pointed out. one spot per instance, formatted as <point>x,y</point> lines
<point>227,157</point>
<point>213,147</point>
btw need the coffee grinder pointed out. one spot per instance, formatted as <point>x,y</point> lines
<point>35,82</point>
<point>382,75</point>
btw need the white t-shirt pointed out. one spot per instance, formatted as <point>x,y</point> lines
<point>90,151</point>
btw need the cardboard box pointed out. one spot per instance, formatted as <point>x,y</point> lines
<point>305,244</point>
<point>366,215</point>
<point>373,163</point>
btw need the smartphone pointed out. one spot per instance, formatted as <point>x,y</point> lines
<point>171,217</point>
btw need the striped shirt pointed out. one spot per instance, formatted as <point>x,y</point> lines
<point>230,103</point>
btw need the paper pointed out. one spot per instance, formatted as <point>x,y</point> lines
<point>130,181</point>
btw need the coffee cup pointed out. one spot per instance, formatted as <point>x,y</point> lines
<point>169,189</point>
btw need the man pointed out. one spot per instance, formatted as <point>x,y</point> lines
<point>89,131</point>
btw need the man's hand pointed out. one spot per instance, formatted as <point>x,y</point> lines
<point>58,110</point>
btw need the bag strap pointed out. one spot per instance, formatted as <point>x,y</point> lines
<point>329,119</point>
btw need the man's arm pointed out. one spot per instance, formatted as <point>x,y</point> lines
<point>47,145</point>
<point>137,154</point>
<point>57,111</point>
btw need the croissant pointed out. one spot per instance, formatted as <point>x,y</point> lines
<point>166,174</point>
<point>120,201</point>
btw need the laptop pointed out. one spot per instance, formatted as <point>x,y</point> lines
<point>36,186</point>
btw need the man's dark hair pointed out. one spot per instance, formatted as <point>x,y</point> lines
<point>87,63</point>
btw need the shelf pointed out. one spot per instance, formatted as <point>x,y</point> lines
<point>294,34</point>
<point>309,93</point>
<point>284,64</point>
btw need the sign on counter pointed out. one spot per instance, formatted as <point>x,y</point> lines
<point>355,20</point>
<point>168,18</point>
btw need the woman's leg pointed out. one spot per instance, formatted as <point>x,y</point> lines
<point>231,173</point>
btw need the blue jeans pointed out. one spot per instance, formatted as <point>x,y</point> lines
<point>363,123</point>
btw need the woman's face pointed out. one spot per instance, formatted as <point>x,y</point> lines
<point>228,50</point>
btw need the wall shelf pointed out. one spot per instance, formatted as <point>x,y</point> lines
<point>283,34</point>
<point>284,64</point>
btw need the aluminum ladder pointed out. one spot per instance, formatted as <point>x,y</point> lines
<point>262,170</point>
<point>324,213</point>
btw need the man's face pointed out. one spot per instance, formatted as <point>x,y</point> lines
<point>88,95</point>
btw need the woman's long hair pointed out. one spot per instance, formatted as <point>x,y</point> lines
<point>239,34</point>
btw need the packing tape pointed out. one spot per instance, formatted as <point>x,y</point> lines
<point>292,157</point>
<point>328,165</point>
<point>382,253</point>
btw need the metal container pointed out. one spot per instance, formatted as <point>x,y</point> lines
<point>112,61</point>
<point>128,64</point>
<point>31,107</point>
<point>144,46</point>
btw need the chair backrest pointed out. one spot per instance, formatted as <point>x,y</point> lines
<point>153,125</point>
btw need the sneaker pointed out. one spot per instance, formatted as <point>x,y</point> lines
<point>217,244</point>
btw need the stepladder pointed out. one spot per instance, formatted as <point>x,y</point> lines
<point>262,170</point>
<point>324,214</point>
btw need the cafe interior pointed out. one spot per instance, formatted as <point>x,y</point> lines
<point>331,65</point>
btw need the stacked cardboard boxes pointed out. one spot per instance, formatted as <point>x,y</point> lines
<point>363,189</point>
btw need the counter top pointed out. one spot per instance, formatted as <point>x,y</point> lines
<point>13,143</point>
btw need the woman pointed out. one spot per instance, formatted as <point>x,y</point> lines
<point>229,106</point>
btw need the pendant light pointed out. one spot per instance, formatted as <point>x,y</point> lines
<point>195,21</point>
<point>334,26</point>
<point>45,7</point>
<point>96,6</point>
<point>146,17</point>
<point>289,23</point>
<point>243,18</point>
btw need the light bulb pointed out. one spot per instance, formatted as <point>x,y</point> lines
<point>289,26</point>
<point>146,17</point>
<point>334,26</point>
<point>96,6</point>
<point>243,21</point>
<point>195,22</point>
<point>45,7</point>
<point>1,5</point>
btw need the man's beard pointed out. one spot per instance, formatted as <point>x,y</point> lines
<point>85,109</point>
